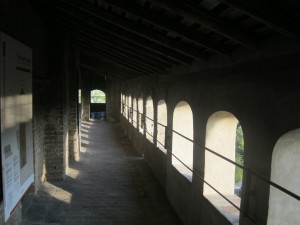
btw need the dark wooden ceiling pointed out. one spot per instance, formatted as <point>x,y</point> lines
<point>127,39</point>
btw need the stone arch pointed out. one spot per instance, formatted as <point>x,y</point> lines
<point>181,147</point>
<point>141,115</point>
<point>134,113</point>
<point>149,119</point>
<point>285,171</point>
<point>162,120</point>
<point>221,137</point>
<point>97,104</point>
<point>98,96</point>
<point>129,109</point>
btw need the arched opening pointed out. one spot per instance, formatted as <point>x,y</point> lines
<point>162,117</point>
<point>98,104</point>
<point>134,113</point>
<point>129,111</point>
<point>149,119</point>
<point>122,101</point>
<point>224,136</point>
<point>126,106</point>
<point>79,96</point>
<point>182,148</point>
<point>285,171</point>
<point>141,121</point>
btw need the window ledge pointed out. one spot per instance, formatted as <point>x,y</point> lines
<point>225,208</point>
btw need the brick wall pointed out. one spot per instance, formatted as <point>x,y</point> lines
<point>55,98</point>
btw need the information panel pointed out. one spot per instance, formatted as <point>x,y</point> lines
<point>16,121</point>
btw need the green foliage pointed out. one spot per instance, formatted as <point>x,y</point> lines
<point>98,96</point>
<point>239,153</point>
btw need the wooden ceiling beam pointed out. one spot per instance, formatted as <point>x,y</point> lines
<point>102,49</point>
<point>207,20</point>
<point>107,72</point>
<point>108,47</point>
<point>117,62</point>
<point>107,63</point>
<point>125,35</point>
<point>265,14</point>
<point>113,66</point>
<point>151,59</point>
<point>119,26</point>
<point>164,23</point>
<point>127,46</point>
<point>130,26</point>
<point>85,40</point>
<point>109,55</point>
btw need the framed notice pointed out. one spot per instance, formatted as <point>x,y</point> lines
<point>16,121</point>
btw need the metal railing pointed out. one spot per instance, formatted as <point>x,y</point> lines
<point>247,171</point>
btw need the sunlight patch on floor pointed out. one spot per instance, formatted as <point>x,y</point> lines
<point>57,193</point>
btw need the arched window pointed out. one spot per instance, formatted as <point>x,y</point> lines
<point>149,119</point>
<point>141,121</point>
<point>134,113</point>
<point>129,111</point>
<point>79,96</point>
<point>224,136</point>
<point>284,209</point>
<point>98,104</point>
<point>122,104</point>
<point>161,124</point>
<point>126,106</point>
<point>98,96</point>
<point>181,147</point>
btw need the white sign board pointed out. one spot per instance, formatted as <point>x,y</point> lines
<point>16,121</point>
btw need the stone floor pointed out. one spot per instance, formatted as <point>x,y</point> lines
<point>110,185</point>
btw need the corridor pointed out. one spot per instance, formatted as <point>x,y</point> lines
<point>110,185</point>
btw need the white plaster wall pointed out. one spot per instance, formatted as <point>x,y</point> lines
<point>123,104</point>
<point>285,171</point>
<point>126,106</point>
<point>130,109</point>
<point>162,119</point>
<point>220,137</point>
<point>181,147</point>
<point>141,111</point>
<point>134,113</point>
<point>149,120</point>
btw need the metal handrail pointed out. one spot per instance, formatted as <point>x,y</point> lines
<point>247,169</point>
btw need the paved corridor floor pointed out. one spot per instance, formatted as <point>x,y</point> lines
<point>110,185</point>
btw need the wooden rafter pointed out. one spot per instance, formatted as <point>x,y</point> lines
<point>134,31</point>
<point>164,23</point>
<point>131,59</point>
<point>202,17</point>
<point>264,13</point>
<point>112,65</point>
<point>109,72</point>
<point>91,41</point>
<point>104,52</point>
<point>122,34</point>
